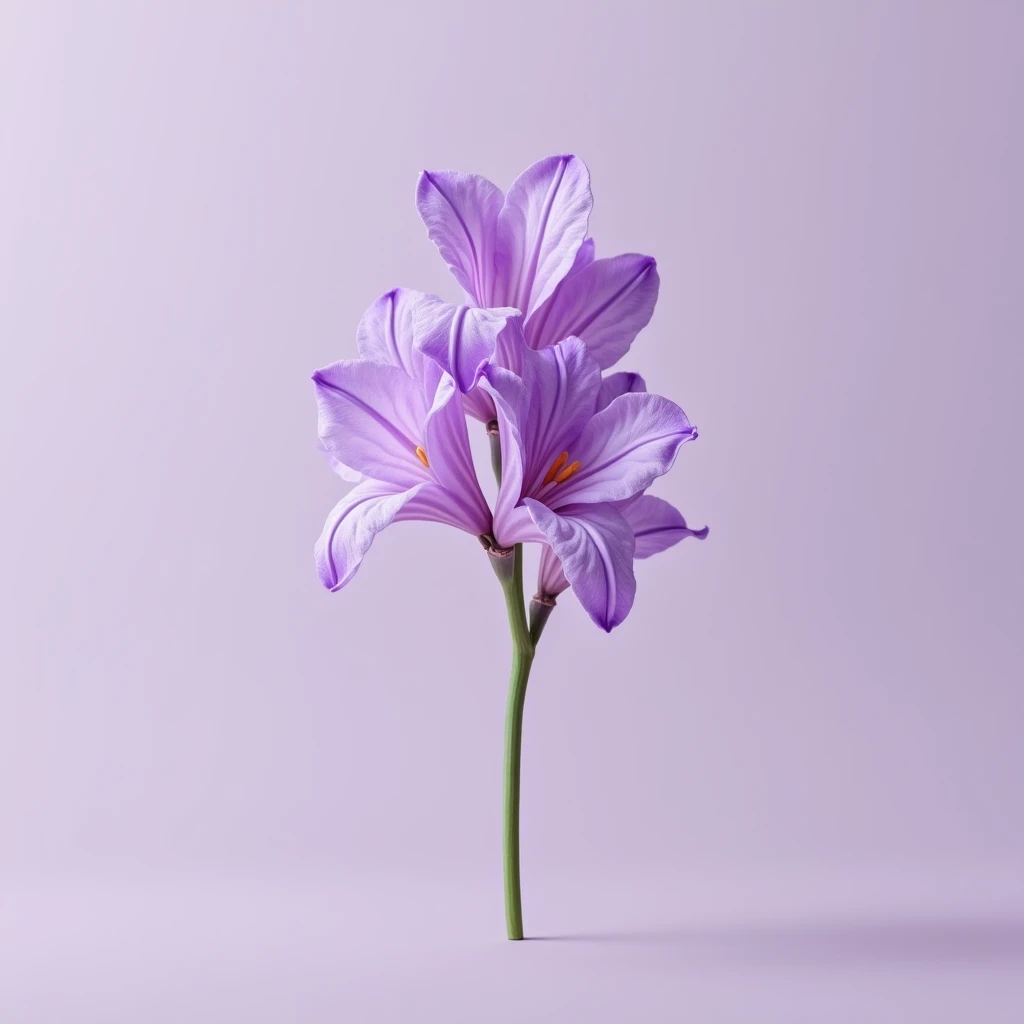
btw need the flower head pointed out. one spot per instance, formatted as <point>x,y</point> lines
<point>395,419</point>
<point>574,450</point>
<point>543,318</point>
<point>656,524</point>
<point>528,250</point>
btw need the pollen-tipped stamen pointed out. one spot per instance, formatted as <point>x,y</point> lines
<point>556,466</point>
<point>569,470</point>
<point>421,454</point>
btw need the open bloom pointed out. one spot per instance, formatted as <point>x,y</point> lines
<point>528,250</point>
<point>656,524</point>
<point>571,459</point>
<point>395,419</point>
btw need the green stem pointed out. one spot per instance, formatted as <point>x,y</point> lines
<point>522,659</point>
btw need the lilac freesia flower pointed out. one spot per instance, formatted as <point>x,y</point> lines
<point>570,461</point>
<point>394,419</point>
<point>528,250</point>
<point>574,453</point>
<point>656,524</point>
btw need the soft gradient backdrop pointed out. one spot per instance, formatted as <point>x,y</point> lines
<point>788,788</point>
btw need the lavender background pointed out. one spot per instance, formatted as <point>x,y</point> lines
<point>788,788</point>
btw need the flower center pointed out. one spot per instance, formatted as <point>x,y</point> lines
<point>421,454</point>
<point>556,474</point>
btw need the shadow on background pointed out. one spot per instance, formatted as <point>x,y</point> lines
<point>949,941</point>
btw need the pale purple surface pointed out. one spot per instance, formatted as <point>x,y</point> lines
<point>787,788</point>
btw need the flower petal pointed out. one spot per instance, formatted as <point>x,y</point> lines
<point>595,546</point>
<point>561,386</point>
<point>657,525</point>
<point>460,339</point>
<point>371,419</point>
<point>351,527</point>
<point>540,414</point>
<point>479,404</point>
<point>623,448</point>
<point>584,257</point>
<point>540,230</point>
<point>385,333</point>
<point>511,344</point>
<point>516,526</point>
<point>551,580</point>
<point>508,396</point>
<point>451,460</point>
<point>616,384</point>
<point>460,212</point>
<point>366,510</point>
<point>606,304</point>
<point>345,472</point>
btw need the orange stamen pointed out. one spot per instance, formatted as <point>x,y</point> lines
<point>569,470</point>
<point>556,466</point>
<point>421,454</point>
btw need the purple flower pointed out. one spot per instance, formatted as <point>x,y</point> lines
<point>528,250</point>
<point>656,524</point>
<point>574,450</point>
<point>395,419</point>
<point>574,453</point>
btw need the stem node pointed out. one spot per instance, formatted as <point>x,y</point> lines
<point>541,608</point>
